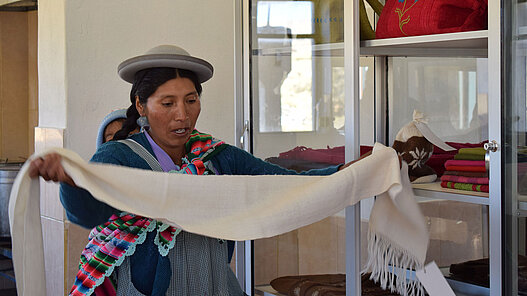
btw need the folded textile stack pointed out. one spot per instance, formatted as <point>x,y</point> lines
<point>466,171</point>
<point>440,156</point>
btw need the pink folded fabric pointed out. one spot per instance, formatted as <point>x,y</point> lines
<point>465,162</point>
<point>463,179</point>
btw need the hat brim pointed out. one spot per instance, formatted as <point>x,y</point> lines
<point>128,68</point>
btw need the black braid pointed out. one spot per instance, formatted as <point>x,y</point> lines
<point>129,124</point>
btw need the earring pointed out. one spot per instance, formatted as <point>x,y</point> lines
<point>142,122</point>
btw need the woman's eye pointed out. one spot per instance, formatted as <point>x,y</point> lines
<point>192,99</point>
<point>166,104</point>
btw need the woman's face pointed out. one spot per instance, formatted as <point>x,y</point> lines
<point>172,111</point>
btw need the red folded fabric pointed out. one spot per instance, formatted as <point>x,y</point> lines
<point>465,162</point>
<point>329,155</point>
<point>400,18</point>
<point>465,168</point>
<point>463,179</point>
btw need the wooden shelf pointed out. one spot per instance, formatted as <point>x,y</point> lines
<point>434,191</point>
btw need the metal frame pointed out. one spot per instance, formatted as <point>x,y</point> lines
<point>244,261</point>
<point>351,99</point>
<point>494,109</point>
<point>381,102</point>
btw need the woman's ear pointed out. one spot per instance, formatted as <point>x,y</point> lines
<point>139,107</point>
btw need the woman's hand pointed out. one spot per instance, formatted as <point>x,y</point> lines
<point>363,156</point>
<point>353,161</point>
<point>50,168</point>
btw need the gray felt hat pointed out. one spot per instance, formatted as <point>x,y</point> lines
<point>165,56</point>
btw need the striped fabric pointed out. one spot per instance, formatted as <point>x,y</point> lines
<point>465,186</point>
<point>111,242</point>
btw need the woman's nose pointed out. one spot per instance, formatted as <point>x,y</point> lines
<point>180,112</point>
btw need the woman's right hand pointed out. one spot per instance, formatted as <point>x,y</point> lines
<point>50,168</point>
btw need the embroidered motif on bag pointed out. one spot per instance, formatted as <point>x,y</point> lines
<point>402,11</point>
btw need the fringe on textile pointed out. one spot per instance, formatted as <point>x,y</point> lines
<point>392,266</point>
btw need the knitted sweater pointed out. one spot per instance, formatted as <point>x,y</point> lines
<point>83,209</point>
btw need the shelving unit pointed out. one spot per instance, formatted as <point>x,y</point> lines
<point>474,44</point>
<point>464,44</point>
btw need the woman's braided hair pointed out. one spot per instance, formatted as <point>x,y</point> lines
<point>145,84</point>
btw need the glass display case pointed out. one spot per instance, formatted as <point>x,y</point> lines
<point>317,93</point>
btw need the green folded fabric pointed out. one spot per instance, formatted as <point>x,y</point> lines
<point>476,151</point>
<point>469,157</point>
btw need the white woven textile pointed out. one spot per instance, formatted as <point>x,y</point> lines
<point>235,208</point>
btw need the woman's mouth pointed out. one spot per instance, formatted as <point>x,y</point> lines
<point>180,131</point>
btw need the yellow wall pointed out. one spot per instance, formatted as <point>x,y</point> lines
<point>18,84</point>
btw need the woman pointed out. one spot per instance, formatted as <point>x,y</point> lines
<point>160,260</point>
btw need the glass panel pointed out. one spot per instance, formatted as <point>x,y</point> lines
<point>458,239</point>
<point>514,152</point>
<point>451,93</point>
<point>297,100</point>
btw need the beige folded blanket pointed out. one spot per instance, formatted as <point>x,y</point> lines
<point>237,208</point>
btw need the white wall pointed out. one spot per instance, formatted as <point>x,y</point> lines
<point>51,63</point>
<point>99,34</point>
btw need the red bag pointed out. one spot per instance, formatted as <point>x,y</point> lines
<point>401,18</point>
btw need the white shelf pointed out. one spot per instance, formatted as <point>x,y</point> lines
<point>462,44</point>
<point>321,50</point>
<point>466,44</point>
<point>266,290</point>
<point>434,191</point>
